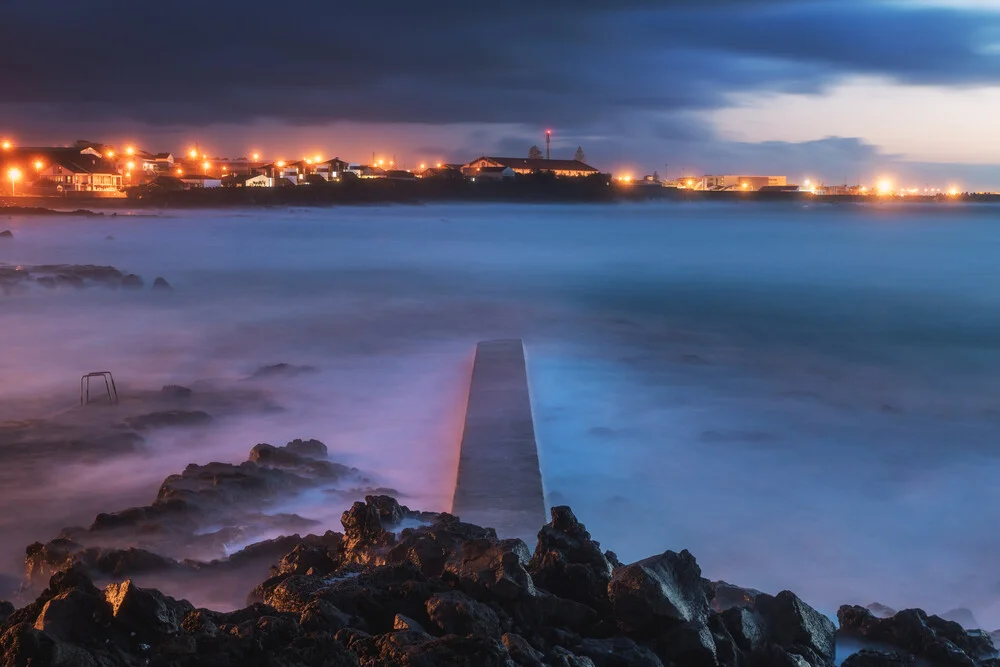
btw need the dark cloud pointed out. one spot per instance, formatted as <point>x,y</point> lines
<point>611,75</point>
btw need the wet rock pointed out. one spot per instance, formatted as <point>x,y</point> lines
<point>486,567</point>
<point>401,622</point>
<point>77,616</point>
<point>412,649</point>
<point>147,613</point>
<point>521,652</point>
<point>915,632</point>
<point>363,532</point>
<point>869,658</point>
<point>6,234</point>
<point>132,281</point>
<point>561,657</point>
<point>161,285</point>
<point>456,614</point>
<point>617,652</point>
<point>745,628</point>
<point>312,449</point>
<point>726,596</point>
<point>294,593</point>
<point>23,645</point>
<point>307,559</point>
<point>168,418</point>
<point>690,643</point>
<point>568,563</point>
<point>657,593</point>
<point>791,623</point>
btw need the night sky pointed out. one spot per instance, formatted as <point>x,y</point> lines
<point>830,90</point>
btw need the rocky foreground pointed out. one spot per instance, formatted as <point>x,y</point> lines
<point>437,592</point>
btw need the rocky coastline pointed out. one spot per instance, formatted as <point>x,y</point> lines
<point>398,587</point>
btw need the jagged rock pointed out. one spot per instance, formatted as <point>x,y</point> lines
<point>726,596</point>
<point>145,612</point>
<point>160,284</point>
<point>915,632</point>
<point>319,650</point>
<point>617,652</point>
<point>745,628</point>
<point>6,234</point>
<point>869,658</point>
<point>78,616</point>
<point>132,281</point>
<point>690,643</point>
<point>457,614</point>
<point>168,418</point>
<point>568,563</point>
<point>323,616</point>
<point>401,622</point>
<point>486,567</point>
<point>521,652</point>
<point>791,623</point>
<point>294,593</point>
<point>313,449</point>
<point>561,657</point>
<point>23,645</point>
<point>363,532</point>
<point>307,559</point>
<point>657,593</point>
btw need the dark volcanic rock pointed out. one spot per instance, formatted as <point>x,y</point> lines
<point>617,652</point>
<point>659,592</point>
<point>132,281</point>
<point>456,614</point>
<point>869,658</point>
<point>6,234</point>
<point>792,623</point>
<point>160,284</point>
<point>915,632</point>
<point>568,563</point>
<point>147,613</point>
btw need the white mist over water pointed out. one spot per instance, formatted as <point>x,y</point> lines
<point>806,397</point>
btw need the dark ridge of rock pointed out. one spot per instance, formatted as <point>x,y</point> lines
<point>441,593</point>
<point>281,370</point>
<point>161,284</point>
<point>912,630</point>
<point>175,391</point>
<point>568,563</point>
<point>132,281</point>
<point>168,418</point>
<point>6,234</point>
<point>870,658</point>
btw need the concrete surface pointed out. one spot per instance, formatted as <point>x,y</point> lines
<point>499,481</point>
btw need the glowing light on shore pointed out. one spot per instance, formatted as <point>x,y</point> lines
<point>317,158</point>
<point>422,166</point>
<point>38,165</point>
<point>14,174</point>
<point>885,187</point>
<point>438,165</point>
<point>256,157</point>
<point>131,166</point>
<point>179,171</point>
<point>280,163</point>
<point>111,153</point>
<point>129,151</point>
<point>953,192</point>
<point>6,144</point>
<point>193,154</point>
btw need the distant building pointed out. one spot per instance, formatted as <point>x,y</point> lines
<point>564,168</point>
<point>494,174</point>
<point>67,170</point>
<point>199,181</point>
<point>150,163</point>
<point>400,175</point>
<point>445,172</point>
<point>741,182</point>
<point>258,181</point>
<point>366,171</point>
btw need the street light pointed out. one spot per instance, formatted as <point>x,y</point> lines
<point>6,144</point>
<point>256,157</point>
<point>38,165</point>
<point>193,154</point>
<point>14,174</point>
<point>130,151</point>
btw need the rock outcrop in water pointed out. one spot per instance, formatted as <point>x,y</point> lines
<point>439,592</point>
<point>76,276</point>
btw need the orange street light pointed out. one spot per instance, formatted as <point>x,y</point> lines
<point>206,165</point>
<point>280,163</point>
<point>256,157</point>
<point>225,169</point>
<point>131,166</point>
<point>423,166</point>
<point>129,151</point>
<point>6,144</point>
<point>14,174</point>
<point>438,165</point>
<point>317,159</point>
<point>193,154</point>
<point>38,165</point>
<point>111,153</point>
<point>179,171</point>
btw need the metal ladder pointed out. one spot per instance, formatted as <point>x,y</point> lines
<point>109,384</point>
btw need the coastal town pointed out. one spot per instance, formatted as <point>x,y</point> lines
<point>89,169</point>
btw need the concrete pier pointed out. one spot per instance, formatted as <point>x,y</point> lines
<point>499,481</point>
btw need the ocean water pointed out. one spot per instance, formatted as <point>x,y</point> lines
<point>804,396</point>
